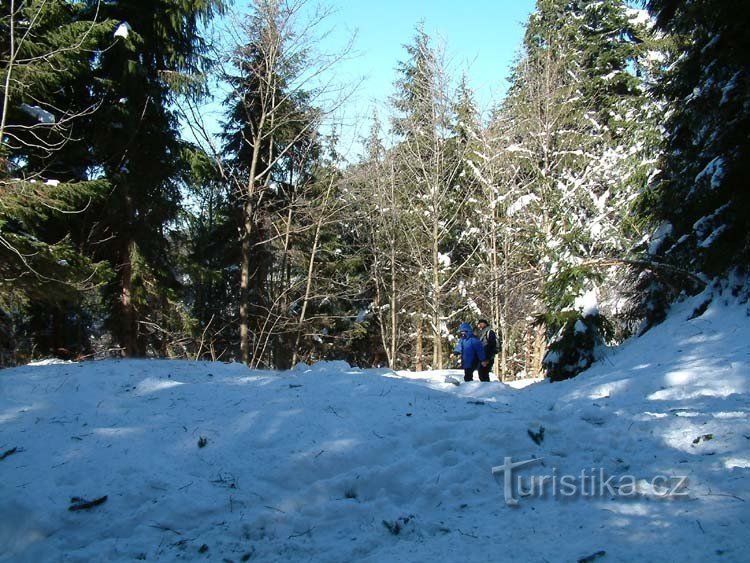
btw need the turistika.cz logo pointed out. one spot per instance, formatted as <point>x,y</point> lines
<point>588,483</point>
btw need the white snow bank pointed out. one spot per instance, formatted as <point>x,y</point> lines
<point>50,362</point>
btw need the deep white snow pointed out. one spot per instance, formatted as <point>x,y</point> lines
<point>331,463</point>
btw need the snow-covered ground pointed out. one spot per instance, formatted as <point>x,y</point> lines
<point>209,461</point>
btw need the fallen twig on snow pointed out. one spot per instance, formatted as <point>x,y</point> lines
<point>307,532</point>
<point>78,503</point>
<point>164,528</point>
<point>593,557</point>
<point>9,452</point>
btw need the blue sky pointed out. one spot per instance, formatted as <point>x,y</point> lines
<point>480,37</point>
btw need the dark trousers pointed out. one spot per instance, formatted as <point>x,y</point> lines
<point>468,374</point>
<point>484,371</point>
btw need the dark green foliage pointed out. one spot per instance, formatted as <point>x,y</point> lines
<point>566,285</point>
<point>335,325</point>
<point>46,49</point>
<point>575,344</point>
<point>38,260</point>
<point>703,191</point>
<point>209,257</point>
<point>90,112</point>
<point>581,127</point>
<point>135,144</point>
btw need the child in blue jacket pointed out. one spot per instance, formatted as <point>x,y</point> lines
<point>471,351</point>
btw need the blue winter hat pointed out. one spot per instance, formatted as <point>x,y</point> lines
<point>465,327</point>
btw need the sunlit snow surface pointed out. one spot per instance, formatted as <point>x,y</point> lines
<point>327,462</point>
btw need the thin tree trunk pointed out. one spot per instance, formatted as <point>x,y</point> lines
<point>128,321</point>
<point>498,283</point>
<point>437,337</point>
<point>11,61</point>
<point>128,324</point>
<point>246,250</point>
<point>246,253</point>
<point>418,355</point>
<point>310,269</point>
<point>394,305</point>
<point>540,348</point>
<point>283,289</point>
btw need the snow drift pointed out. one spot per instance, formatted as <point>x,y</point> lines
<point>210,461</point>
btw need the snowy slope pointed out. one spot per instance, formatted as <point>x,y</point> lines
<point>331,463</point>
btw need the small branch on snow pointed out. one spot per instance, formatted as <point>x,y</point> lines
<point>78,503</point>
<point>331,409</point>
<point>307,532</point>
<point>593,557</point>
<point>725,495</point>
<point>164,528</point>
<point>10,452</point>
<point>537,437</point>
<point>227,480</point>
<point>273,508</point>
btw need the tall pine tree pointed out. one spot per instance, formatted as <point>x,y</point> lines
<point>578,110</point>
<point>136,146</point>
<point>270,143</point>
<point>701,196</point>
<point>47,50</point>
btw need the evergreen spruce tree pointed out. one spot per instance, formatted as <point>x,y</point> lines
<point>332,313</point>
<point>271,143</point>
<point>46,53</point>
<point>376,205</point>
<point>578,110</point>
<point>701,198</point>
<point>136,146</point>
<point>473,237</point>
<point>210,255</point>
<point>428,167</point>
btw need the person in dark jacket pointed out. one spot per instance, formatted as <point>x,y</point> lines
<point>488,338</point>
<point>471,351</point>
